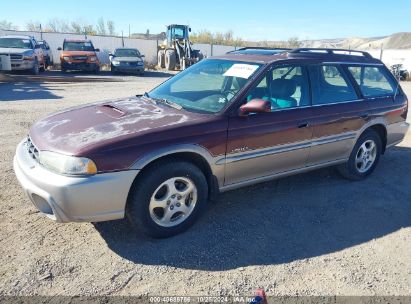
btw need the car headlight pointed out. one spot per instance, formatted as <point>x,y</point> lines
<point>65,164</point>
<point>93,58</point>
<point>28,55</point>
<point>115,62</point>
<point>66,58</point>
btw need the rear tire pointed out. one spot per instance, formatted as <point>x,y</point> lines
<point>160,59</point>
<point>363,158</point>
<point>168,199</point>
<point>170,60</point>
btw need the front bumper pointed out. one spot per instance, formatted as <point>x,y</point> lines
<point>21,65</point>
<point>131,67</point>
<point>100,197</point>
<point>82,66</point>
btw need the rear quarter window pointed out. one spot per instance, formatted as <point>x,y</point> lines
<point>330,85</point>
<point>373,81</point>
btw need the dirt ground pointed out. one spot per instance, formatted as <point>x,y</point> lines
<point>310,234</point>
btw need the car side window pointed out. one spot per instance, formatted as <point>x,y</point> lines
<point>330,85</point>
<point>372,81</point>
<point>285,87</point>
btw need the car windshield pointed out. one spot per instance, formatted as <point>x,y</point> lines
<point>207,86</point>
<point>126,53</point>
<point>78,46</point>
<point>15,43</point>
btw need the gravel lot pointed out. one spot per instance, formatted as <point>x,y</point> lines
<point>311,234</point>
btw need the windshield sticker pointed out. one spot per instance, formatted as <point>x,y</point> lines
<point>241,70</point>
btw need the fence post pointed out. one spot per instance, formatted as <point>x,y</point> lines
<point>381,51</point>
<point>211,48</point>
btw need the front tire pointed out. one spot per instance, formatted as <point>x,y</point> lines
<point>170,60</point>
<point>167,199</point>
<point>35,70</point>
<point>363,158</point>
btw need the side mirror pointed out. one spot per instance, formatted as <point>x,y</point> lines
<point>96,50</point>
<point>37,46</point>
<point>255,106</point>
<point>59,49</point>
<point>142,56</point>
<point>110,55</point>
<point>189,29</point>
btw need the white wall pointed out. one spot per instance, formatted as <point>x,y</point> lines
<point>390,57</point>
<point>107,44</point>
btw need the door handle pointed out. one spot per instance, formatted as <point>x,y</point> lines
<point>364,115</point>
<point>303,125</point>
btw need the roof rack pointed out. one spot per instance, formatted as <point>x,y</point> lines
<point>331,51</point>
<point>259,51</point>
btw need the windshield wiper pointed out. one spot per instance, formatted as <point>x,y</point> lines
<point>165,101</point>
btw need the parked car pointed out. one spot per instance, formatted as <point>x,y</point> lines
<point>25,53</point>
<point>230,121</point>
<point>127,60</point>
<point>79,55</point>
<point>48,54</point>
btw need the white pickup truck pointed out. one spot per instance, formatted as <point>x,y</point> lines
<point>23,52</point>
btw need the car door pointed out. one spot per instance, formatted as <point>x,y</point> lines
<point>264,144</point>
<point>338,113</point>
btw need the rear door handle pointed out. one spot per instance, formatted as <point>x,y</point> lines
<point>303,125</point>
<point>364,115</point>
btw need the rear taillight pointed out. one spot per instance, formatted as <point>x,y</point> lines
<point>405,111</point>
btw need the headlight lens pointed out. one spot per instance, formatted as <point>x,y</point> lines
<point>28,55</point>
<point>65,164</point>
<point>93,58</point>
<point>66,58</point>
<point>116,62</point>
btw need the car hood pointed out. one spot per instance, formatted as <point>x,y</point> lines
<point>127,59</point>
<point>13,50</point>
<point>77,53</point>
<point>80,130</point>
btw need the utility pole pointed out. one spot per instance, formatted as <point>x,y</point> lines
<point>122,38</point>
<point>41,32</point>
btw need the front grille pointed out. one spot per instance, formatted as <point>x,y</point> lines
<point>16,57</point>
<point>13,56</point>
<point>31,148</point>
<point>79,57</point>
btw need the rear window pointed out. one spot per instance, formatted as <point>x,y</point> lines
<point>330,85</point>
<point>372,81</point>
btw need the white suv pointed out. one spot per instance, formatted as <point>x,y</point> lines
<point>25,53</point>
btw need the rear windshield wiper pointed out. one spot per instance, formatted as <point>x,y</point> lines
<point>165,101</point>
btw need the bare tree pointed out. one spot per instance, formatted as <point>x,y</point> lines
<point>101,27</point>
<point>33,25</point>
<point>5,25</point>
<point>57,25</point>
<point>111,28</point>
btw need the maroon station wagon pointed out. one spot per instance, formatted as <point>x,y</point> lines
<point>226,122</point>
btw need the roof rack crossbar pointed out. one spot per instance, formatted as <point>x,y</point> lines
<point>331,51</point>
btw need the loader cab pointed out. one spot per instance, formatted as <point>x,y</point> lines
<point>177,32</point>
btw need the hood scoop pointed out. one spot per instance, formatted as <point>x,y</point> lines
<point>112,111</point>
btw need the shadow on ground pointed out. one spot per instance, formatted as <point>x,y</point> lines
<point>294,218</point>
<point>79,76</point>
<point>17,91</point>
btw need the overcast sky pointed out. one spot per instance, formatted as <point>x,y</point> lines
<point>250,20</point>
